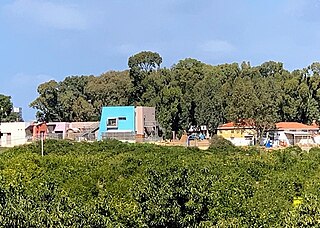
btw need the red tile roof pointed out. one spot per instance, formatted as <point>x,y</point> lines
<point>231,125</point>
<point>280,126</point>
<point>295,126</point>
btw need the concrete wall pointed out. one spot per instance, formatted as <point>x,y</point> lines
<point>124,115</point>
<point>14,134</point>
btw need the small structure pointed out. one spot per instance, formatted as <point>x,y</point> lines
<point>73,130</point>
<point>39,130</point>
<point>19,133</point>
<point>128,123</point>
<point>117,122</point>
<point>145,122</point>
<point>14,133</point>
<point>57,130</point>
<point>239,135</point>
<point>294,133</point>
<point>200,132</point>
<point>18,111</point>
<point>82,131</point>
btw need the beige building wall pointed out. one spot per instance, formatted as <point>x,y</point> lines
<point>145,117</point>
<point>139,121</point>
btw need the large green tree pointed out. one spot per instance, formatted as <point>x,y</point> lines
<point>189,93</point>
<point>209,101</point>
<point>141,65</point>
<point>111,88</point>
<point>6,110</point>
<point>80,98</point>
<point>47,103</point>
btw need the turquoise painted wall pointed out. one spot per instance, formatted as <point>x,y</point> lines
<point>127,125</point>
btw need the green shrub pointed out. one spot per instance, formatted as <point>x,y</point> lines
<point>220,143</point>
<point>114,184</point>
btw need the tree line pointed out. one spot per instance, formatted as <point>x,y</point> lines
<point>189,93</point>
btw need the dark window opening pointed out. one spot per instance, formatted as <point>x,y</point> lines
<point>112,122</point>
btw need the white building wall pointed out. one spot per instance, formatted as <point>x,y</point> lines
<point>240,141</point>
<point>280,136</point>
<point>317,139</point>
<point>13,134</point>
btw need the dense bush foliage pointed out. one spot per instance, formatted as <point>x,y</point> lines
<point>220,143</point>
<point>113,184</point>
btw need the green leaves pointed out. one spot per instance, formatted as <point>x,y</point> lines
<point>113,184</point>
<point>6,109</point>
<point>145,61</point>
<point>189,93</point>
<point>81,98</point>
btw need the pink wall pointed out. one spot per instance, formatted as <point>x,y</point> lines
<point>139,121</point>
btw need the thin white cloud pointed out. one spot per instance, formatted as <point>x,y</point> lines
<point>48,13</point>
<point>217,46</point>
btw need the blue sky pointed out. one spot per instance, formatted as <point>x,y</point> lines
<point>51,39</point>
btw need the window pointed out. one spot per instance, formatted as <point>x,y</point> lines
<point>122,118</point>
<point>112,123</point>
<point>232,131</point>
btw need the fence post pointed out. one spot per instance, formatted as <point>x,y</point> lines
<point>41,135</point>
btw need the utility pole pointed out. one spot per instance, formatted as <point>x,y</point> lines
<point>41,136</point>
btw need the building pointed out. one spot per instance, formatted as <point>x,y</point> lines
<point>117,122</point>
<point>128,123</point>
<point>14,134</point>
<point>79,131</point>
<point>239,135</point>
<point>82,131</point>
<point>39,130</point>
<point>145,122</point>
<point>19,133</point>
<point>18,111</point>
<point>294,133</point>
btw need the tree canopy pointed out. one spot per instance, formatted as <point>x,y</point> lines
<point>189,93</point>
<point>6,110</point>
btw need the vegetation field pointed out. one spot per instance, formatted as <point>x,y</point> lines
<point>113,184</point>
<point>2,149</point>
